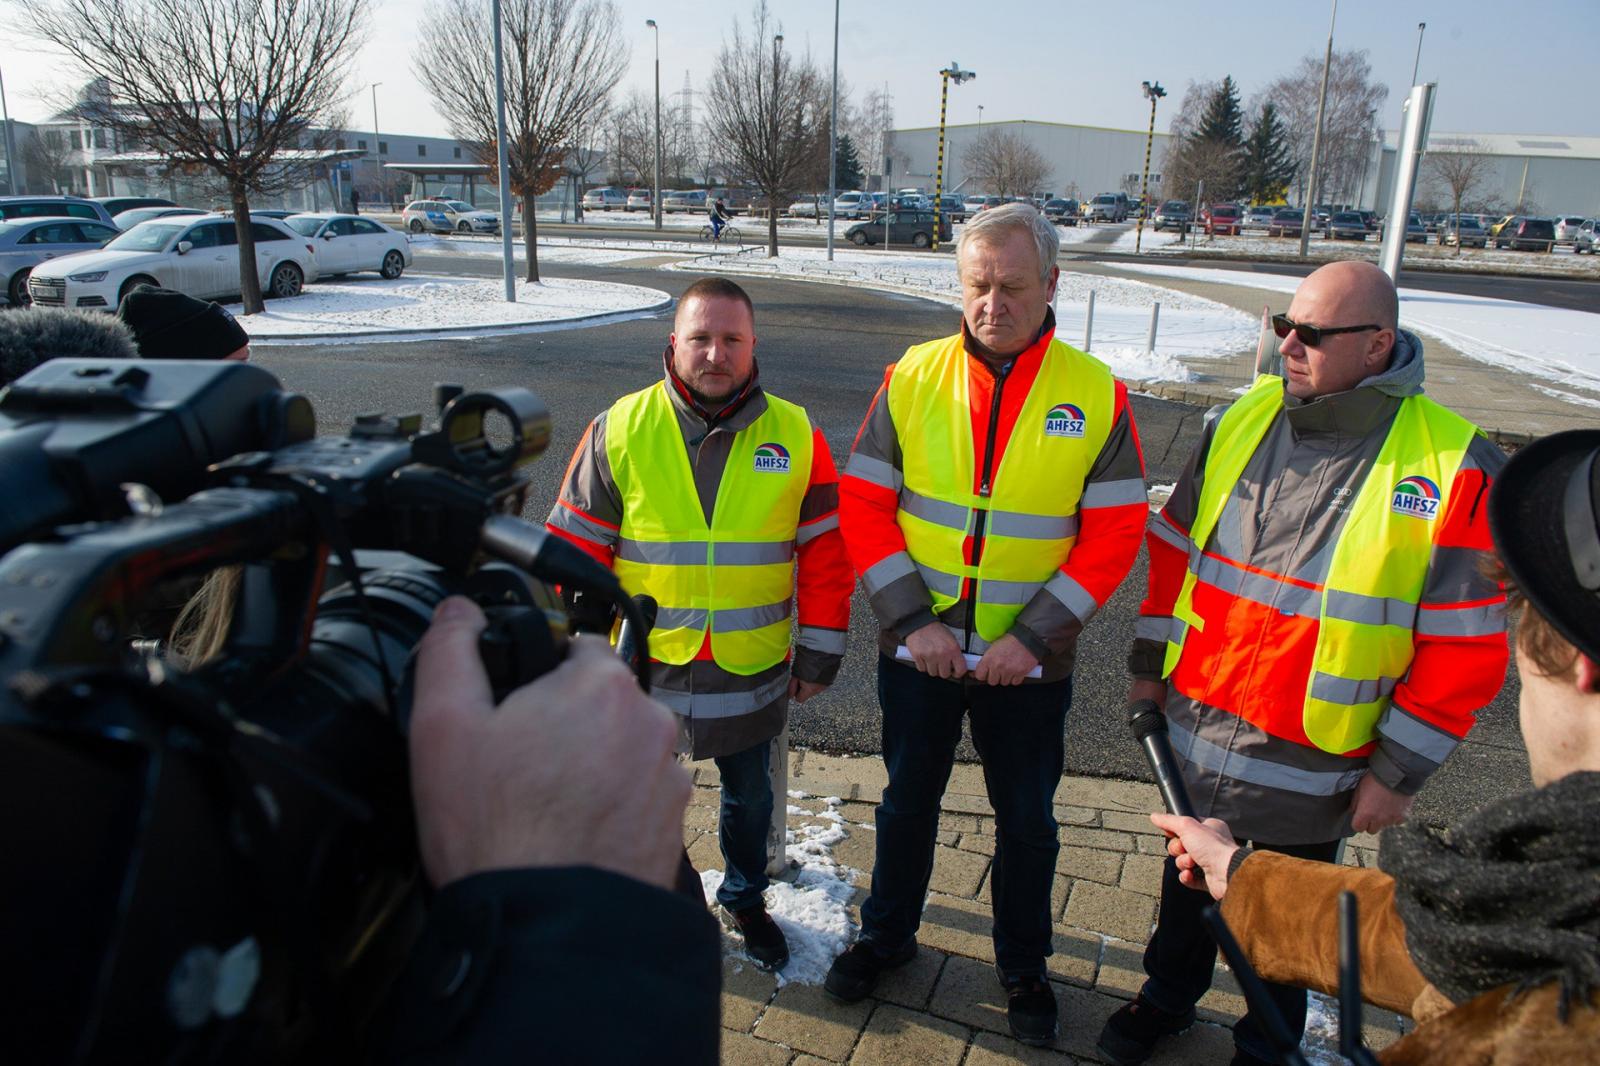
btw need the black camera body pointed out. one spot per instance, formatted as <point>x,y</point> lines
<point>216,861</point>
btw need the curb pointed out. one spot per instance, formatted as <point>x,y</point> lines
<point>599,318</point>
<point>1199,257</point>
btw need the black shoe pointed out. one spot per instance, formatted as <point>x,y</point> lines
<point>854,973</point>
<point>1031,1009</point>
<point>1130,1035</point>
<point>763,940</point>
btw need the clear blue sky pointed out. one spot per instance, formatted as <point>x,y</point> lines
<point>1033,63</point>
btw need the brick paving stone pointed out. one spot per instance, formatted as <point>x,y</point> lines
<point>969,992</point>
<point>910,985</point>
<point>702,819</point>
<point>977,843</point>
<point>964,804</point>
<point>957,927</point>
<point>1113,911</point>
<point>1151,845</point>
<point>1077,815</point>
<point>1121,969</point>
<point>804,1018</point>
<point>1084,1014</point>
<point>992,1049</point>
<point>808,1060</point>
<point>1142,873</point>
<point>1128,823</point>
<point>960,823</point>
<point>956,872</point>
<point>854,811</point>
<point>947,837</point>
<point>706,853</point>
<point>866,775</point>
<point>1075,956</point>
<point>1059,890</point>
<point>1098,838</point>
<point>857,850</point>
<point>706,775</point>
<point>967,779</point>
<point>1106,794</point>
<point>745,992</point>
<point>739,1049</point>
<point>899,1037</point>
<point>1090,863</point>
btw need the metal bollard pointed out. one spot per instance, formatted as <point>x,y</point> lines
<point>1155,316</point>
<point>1088,323</point>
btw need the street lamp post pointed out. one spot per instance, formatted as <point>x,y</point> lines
<point>951,73</point>
<point>833,133</point>
<point>1421,28</point>
<point>1316,140</point>
<point>655,196</point>
<point>1153,91</point>
<point>503,169</point>
<point>377,158</point>
<point>11,143</point>
<point>980,118</point>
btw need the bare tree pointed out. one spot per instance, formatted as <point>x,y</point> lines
<point>1353,101</point>
<point>769,111</point>
<point>868,126</point>
<point>1006,163</point>
<point>1461,170</point>
<point>48,160</point>
<point>632,139</point>
<point>247,90</point>
<point>585,158</point>
<point>562,60</point>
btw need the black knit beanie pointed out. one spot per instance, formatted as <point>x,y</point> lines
<point>170,325</point>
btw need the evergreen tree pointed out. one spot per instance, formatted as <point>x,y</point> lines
<point>1268,162</point>
<point>1215,150</point>
<point>1223,120</point>
<point>847,173</point>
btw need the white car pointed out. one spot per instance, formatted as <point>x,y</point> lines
<point>606,199</point>
<point>809,207</point>
<point>197,256</point>
<point>639,199</point>
<point>849,205</point>
<point>448,216</point>
<point>348,243</point>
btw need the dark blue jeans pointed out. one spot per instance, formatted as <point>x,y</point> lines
<point>742,830</point>
<point>1018,733</point>
<point>1181,956</point>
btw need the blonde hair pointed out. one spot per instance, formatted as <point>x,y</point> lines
<point>201,628</point>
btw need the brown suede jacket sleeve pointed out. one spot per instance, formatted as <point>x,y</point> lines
<point>1298,943</point>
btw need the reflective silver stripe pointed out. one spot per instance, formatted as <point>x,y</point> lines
<point>569,521</point>
<point>1220,760</point>
<point>1152,627</point>
<point>874,470</point>
<point>1073,596</point>
<point>1115,493</point>
<point>940,513</point>
<point>827,641</point>
<point>1259,588</point>
<point>1350,690</point>
<point>1032,526</point>
<point>662,553</point>
<point>812,530</point>
<point>1484,620</point>
<point>743,619</point>
<point>680,618</point>
<point>1413,734</point>
<point>756,553</point>
<point>1007,593</point>
<point>889,569</point>
<point>1370,610</point>
<point>940,582</point>
<point>1165,530</point>
<point>723,704</point>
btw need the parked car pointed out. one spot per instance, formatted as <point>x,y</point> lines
<point>1465,232</point>
<point>1258,217</point>
<point>195,256</point>
<point>277,214</point>
<point>953,207</point>
<point>905,227</point>
<point>806,207</point>
<point>1586,238</point>
<point>974,204</point>
<point>1567,228</point>
<point>27,242</point>
<point>1347,226</point>
<point>1505,220</point>
<point>1286,222</point>
<point>1173,214</point>
<point>131,218</point>
<point>1108,207</point>
<point>349,243</point>
<point>1527,235</point>
<point>1222,220</point>
<point>686,200</point>
<point>53,207</point>
<point>639,200</point>
<point>1061,212</point>
<point>450,216</point>
<point>607,199</point>
<point>1374,223</point>
<point>1416,229</point>
<point>115,205</point>
<point>848,204</point>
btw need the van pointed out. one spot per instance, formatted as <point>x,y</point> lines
<point>1108,207</point>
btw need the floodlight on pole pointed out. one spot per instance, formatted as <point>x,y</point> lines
<point>951,73</point>
<point>1152,92</point>
<point>655,194</point>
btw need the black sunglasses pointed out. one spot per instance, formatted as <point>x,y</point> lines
<point>1311,336</point>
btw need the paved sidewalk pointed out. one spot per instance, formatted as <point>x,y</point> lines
<point>946,1007</point>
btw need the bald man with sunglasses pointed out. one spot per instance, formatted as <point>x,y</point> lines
<point>1317,626</point>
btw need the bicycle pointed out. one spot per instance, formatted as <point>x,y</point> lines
<point>730,232</point>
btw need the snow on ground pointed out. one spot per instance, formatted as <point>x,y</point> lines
<point>1438,257</point>
<point>422,304</point>
<point>1189,326</point>
<point>813,912</point>
<point>1557,344</point>
<point>585,251</point>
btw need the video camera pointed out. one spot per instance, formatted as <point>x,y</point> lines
<point>216,861</point>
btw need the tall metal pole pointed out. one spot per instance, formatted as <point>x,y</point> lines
<point>980,118</point>
<point>1154,92</point>
<point>1408,162</point>
<point>377,157</point>
<point>833,133</point>
<point>655,196</point>
<point>1421,27</point>
<point>11,142</point>
<point>508,265</point>
<point>1316,138</point>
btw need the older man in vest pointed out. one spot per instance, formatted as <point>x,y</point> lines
<point>720,500</point>
<point>994,500</point>
<point>1317,625</point>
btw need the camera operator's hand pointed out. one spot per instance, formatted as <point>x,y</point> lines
<point>1202,850</point>
<point>575,769</point>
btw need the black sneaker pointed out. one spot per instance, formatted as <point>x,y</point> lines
<point>763,940</point>
<point>1031,1009</point>
<point>854,973</point>
<point>1130,1035</point>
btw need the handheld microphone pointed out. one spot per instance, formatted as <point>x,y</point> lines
<point>1149,727</point>
<point>633,637</point>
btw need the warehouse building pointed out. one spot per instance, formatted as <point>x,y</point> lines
<point>1083,160</point>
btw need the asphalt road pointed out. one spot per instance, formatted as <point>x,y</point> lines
<point>826,347</point>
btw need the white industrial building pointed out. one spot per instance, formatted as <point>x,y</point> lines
<point>1084,160</point>
<point>1536,174</point>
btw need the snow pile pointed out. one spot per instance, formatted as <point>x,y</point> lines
<point>813,912</point>
<point>597,252</point>
<point>420,304</point>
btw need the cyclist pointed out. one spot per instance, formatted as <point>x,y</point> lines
<point>719,218</point>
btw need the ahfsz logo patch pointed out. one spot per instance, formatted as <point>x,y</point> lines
<point>1416,496</point>
<point>772,458</point>
<point>1064,420</point>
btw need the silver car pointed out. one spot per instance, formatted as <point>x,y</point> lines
<point>1257,218</point>
<point>1587,237</point>
<point>1567,228</point>
<point>27,242</point>
<point>348,243</point>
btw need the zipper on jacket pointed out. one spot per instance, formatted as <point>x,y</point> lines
<point>984,489</point>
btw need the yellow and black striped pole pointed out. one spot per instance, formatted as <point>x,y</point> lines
<point>952,71</point>
<point>1154,92</point>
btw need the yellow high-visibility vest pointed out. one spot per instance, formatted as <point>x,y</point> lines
<point>1369,602</point>
<point>1029,518</point>
<point>734,576</point>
